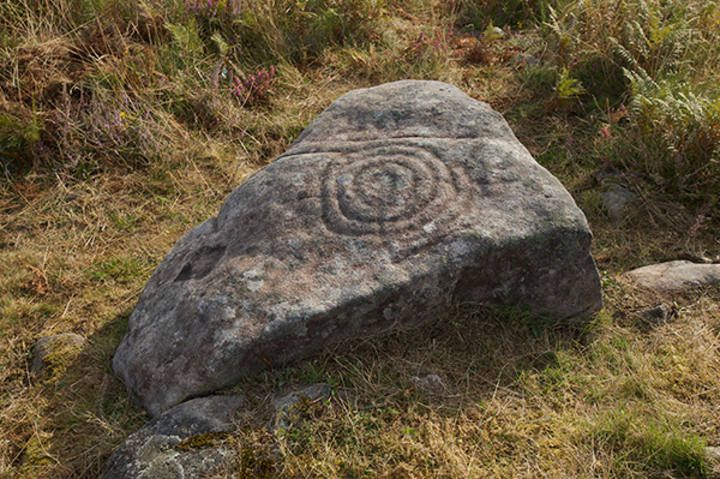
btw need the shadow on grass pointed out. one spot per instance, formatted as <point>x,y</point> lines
<point>86,411</point>
<point>379,400</point>
<point>474,351</point>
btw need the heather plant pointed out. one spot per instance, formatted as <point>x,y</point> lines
<point>214,8</point>
<point>18,137</point>
<point>254,87</point>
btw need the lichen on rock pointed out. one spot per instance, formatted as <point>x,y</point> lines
<point>395,203</point>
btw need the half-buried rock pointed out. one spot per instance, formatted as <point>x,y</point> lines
<point>396,202</point>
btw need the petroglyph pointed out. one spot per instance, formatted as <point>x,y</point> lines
<point>395,203</point>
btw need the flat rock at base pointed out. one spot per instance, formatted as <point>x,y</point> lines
<point>660,314</point>
<point>676,276</point>
<point>157,450</point>
<point>430,383</point>
<point>395,203</point>
<point>286,406</point>
<point>50,351</point>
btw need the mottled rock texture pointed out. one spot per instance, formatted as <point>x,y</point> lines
<point>394,203</point>
<point>184,442</point>
<point>615,202</point>
<point>676,276</point>
<point>52,351</point>
<point>286,407</point>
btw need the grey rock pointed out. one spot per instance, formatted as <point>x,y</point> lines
<point>51,351</point>
<point>396,202</point>
<point>660,314</point>
<point>431,383</point>
<point>676,276</point>
<point>712,453</point>
<point>525,59</point>
<point>615,201</point>
<point>286,406</point>
<point>156,451</point>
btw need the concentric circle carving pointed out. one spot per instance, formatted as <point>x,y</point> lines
<point>388,191</point>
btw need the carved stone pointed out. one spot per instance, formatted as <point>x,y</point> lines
<point>396,202</point>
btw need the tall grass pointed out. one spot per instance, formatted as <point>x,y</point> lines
<point>477,14</point>
<point>93,84</point>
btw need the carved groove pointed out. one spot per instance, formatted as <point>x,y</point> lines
<point>405,195</point>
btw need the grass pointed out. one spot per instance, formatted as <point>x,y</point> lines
<point>120,130</point>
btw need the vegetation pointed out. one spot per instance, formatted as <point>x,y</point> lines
<point>125,122</point>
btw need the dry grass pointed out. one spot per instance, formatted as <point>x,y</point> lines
<point>118,132</point>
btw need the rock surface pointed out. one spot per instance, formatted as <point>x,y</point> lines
<point>286,405</point>
<point>394,203</point>
<point>615,201</point>
<point>430,383</point>
<point>164,448</point>
<point>676,276</point>
<point>49,351</point>
<point>660,314</point>
<point>713,456</point>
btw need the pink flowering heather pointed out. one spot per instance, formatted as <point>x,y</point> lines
<point>255,87</point>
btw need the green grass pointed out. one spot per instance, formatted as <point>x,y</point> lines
<point>649,447</point>
<point>119,131</point>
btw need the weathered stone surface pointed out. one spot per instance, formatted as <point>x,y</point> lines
<point>164,448</point>
<point>676,276</point>
<point>286,406</point>
<point>660,314</point>
<point>430,383</point>
<point>615,201</point>
<point>713,457</point>
<point>50,351</point>
<point>394,203</point>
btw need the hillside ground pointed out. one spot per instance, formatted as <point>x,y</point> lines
<point>124,123</point>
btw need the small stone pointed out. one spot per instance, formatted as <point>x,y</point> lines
<point>660,314</point>
<point>493,33</point>
<point>713,453</point>
<point>184,442</point>
<point>431,383</point>
<point>54,351</point>
<point>525,59</point>
<point>676,276</point>
<point>615,202</point>
<point>285,406</point>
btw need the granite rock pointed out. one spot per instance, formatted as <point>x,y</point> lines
<point>51,351</point>
<point>615,202</point>
<point>676,276</point>
<point>395,203</point>
<point>164,448</point>
<point>287,405</point>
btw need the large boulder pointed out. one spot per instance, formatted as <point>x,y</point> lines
<point>394,203</point>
